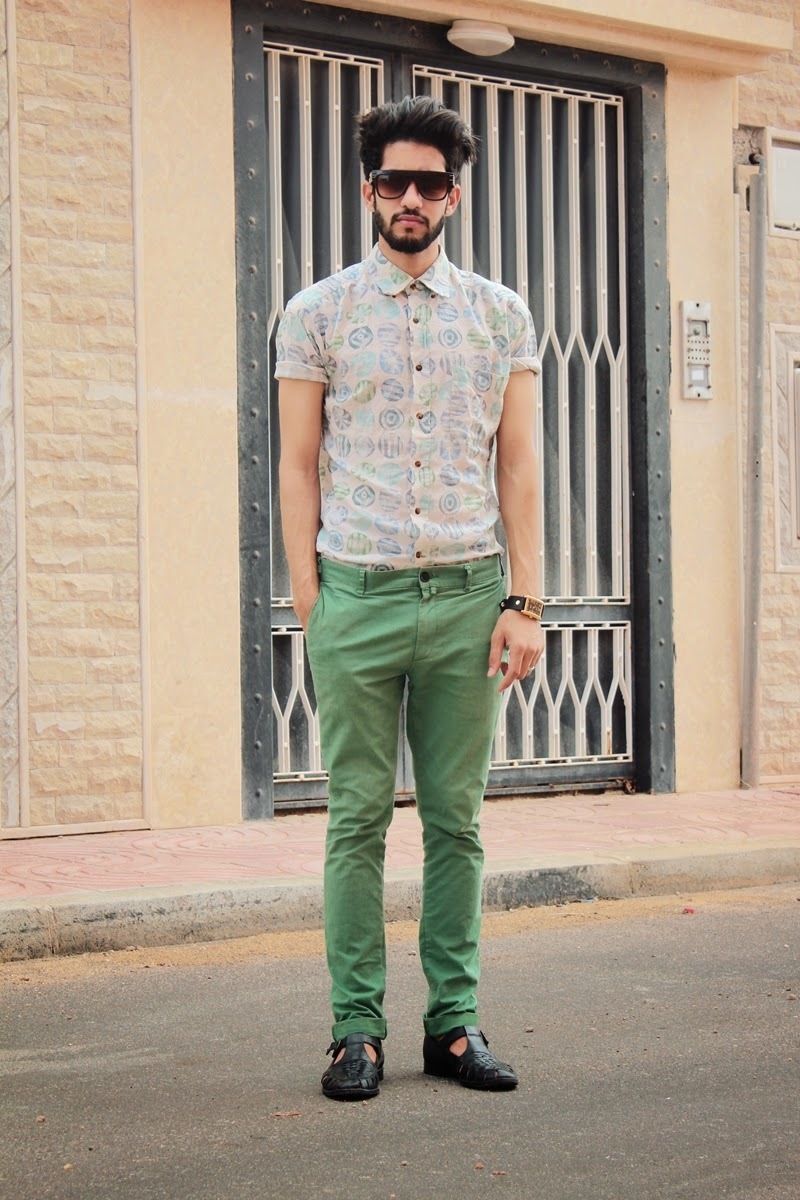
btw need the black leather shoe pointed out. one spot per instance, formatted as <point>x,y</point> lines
<point>355,1076</point>
<point>477,1067</point>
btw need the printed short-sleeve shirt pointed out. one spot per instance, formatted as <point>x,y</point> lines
<point>414,374</point>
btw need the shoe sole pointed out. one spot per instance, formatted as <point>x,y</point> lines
<point>493,1086</point>
<point>363,1094</point>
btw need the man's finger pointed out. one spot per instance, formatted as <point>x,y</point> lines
<point>496,647</point>
<point>512,671</point>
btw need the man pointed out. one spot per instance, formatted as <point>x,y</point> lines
<point>400,378</point>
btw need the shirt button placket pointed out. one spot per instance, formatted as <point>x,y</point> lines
<point>417,348</point>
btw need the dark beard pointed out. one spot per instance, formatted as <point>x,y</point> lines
<point>407,243</point>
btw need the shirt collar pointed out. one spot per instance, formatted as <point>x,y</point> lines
<point>391,280</point>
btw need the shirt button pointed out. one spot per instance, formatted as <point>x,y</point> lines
<point>417,463</point>
<point>417,511</point>
<point>415,320</point>
<point>420,416</point>
<point>418,554</point>
<point>418,367</point>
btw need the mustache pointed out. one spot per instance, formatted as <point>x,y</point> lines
<point>410,212</point>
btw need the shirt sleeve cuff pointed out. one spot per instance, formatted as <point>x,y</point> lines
<point>526,364</point>
<point>293,370</point>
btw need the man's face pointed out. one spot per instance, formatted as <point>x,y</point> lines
<point>411,223</point>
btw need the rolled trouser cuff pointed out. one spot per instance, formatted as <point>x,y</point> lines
<point>436,1026</point>
<point>375,1028</point>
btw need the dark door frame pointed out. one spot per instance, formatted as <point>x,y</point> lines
<point>642,86</point>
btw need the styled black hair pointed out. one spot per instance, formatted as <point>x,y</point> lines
<point>414,119</point>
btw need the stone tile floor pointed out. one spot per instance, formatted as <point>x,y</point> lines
<point>530,828</point>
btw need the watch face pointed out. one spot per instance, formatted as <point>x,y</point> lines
<point>533,608</point>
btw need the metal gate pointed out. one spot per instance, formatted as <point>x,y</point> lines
<point>544,210</point>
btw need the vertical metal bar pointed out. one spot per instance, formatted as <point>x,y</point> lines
<point>606,703</point>
<point>521,193</point>
<point>625,636</point>
<point>576,308</point>
<point>754,477</point>
<point>276,289</point>
<point>306,255</point>
<point>549,333</point>
<point>592,449</point>
<point>276,157</point>
<point>601,236</point>
<point>366,218</point>
<point>579,748</point>
<point>365,101</point>
<point>465,108</point>
<point>335,160</point>
<point>564,466</point>
<point>493,130</point>
<point>283,753</point>
<point>253,108</point>
<point>601,305</point>
<point>594,636</point>
<point>377,73</point>
<point>566,680</point>
<point>528,748</point>
<point>621,375</point>
<point>542,336</point>
<point>299,677</point>
<point>276,294</point>
<point>601,251</point>
<point>647,348</point>
<point>553,709</point>
<point>500,752</point>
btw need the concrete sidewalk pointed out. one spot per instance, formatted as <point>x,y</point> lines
<point>107,891</point>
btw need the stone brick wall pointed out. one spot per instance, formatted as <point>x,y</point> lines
<point>772,98</point>
<point>81,485</point>
<point>9,691</point>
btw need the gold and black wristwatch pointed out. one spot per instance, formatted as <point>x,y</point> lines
<point>529,606</point>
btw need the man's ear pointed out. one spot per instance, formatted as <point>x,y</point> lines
<point>452,201</point>
<point>369,195</point>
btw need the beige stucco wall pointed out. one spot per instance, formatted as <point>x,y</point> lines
<point>705,495</point>
<point>187,385</point>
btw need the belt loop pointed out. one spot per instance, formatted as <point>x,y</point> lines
<point>468,572</point>
<point>362,581</point>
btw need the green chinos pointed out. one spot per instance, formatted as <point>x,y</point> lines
<point>369,632</point>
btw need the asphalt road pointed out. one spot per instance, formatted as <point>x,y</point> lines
<point>658,1052</point>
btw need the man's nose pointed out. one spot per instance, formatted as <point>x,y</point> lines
<point>412,197</point>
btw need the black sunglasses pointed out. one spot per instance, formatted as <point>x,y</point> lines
<point>431,185</point>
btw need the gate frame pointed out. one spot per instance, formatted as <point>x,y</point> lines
<point>642,87</point>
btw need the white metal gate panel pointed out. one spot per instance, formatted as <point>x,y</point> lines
<point>543,211</point>
<point>318,226</point>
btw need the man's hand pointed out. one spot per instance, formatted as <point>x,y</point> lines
<point>303,605</point>
<point>524,639</point>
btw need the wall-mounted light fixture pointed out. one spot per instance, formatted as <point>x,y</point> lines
<point>480,37</point>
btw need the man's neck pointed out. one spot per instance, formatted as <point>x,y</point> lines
<point>413,264</point>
